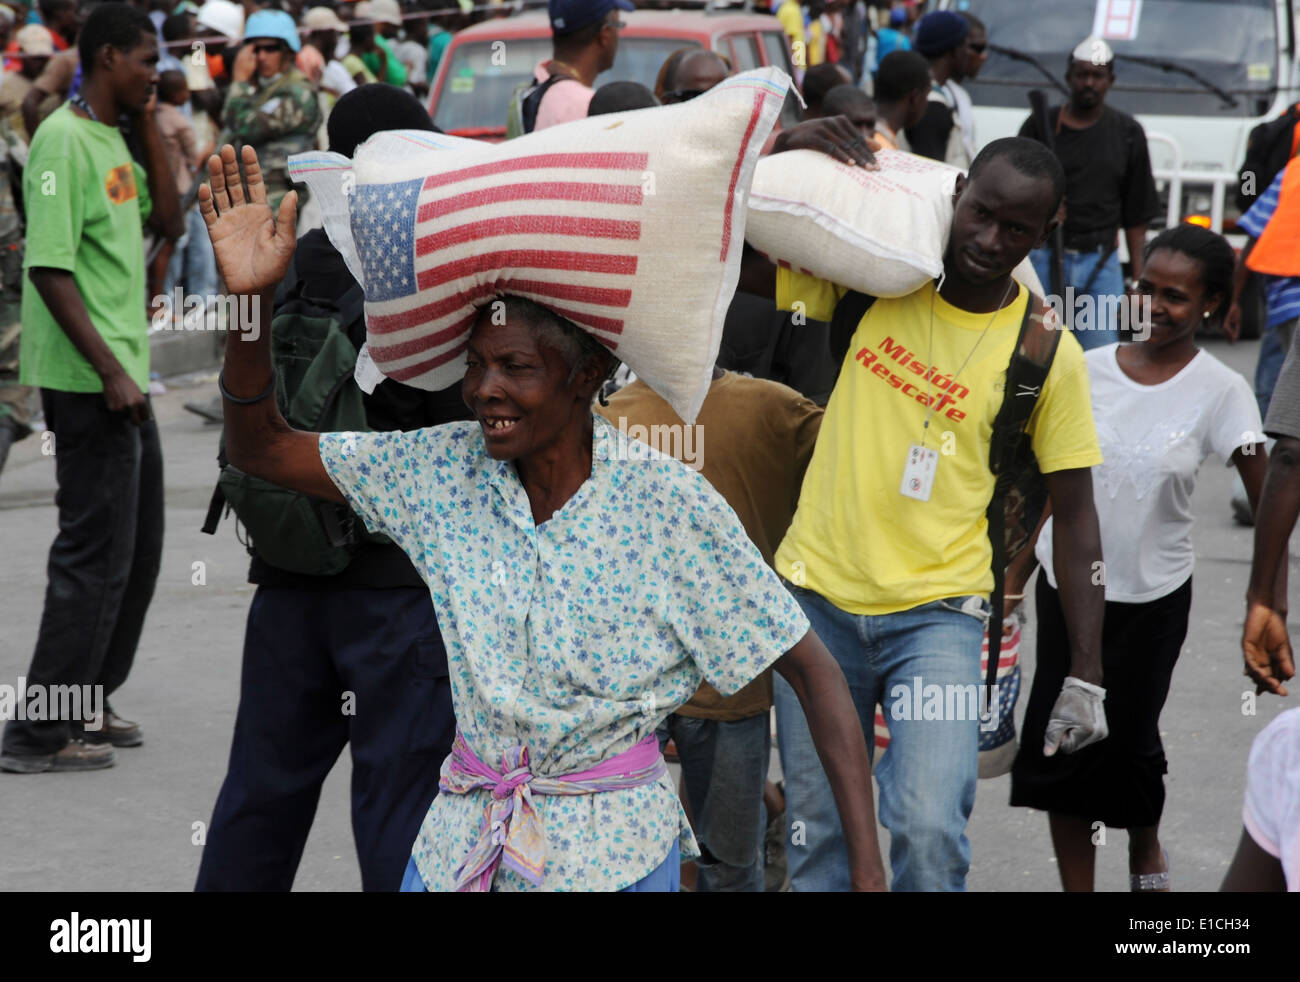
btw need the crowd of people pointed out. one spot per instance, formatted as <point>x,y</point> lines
<point>148,148</point>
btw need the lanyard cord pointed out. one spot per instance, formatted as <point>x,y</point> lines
<point>929,374</point>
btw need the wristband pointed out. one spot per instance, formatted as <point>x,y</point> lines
<point>225,393</point>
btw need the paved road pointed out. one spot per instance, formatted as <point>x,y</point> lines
<point>133,827</point>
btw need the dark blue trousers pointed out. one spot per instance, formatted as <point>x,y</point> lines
<point>324,668</point>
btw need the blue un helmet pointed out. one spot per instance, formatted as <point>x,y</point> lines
<point>275,24</point>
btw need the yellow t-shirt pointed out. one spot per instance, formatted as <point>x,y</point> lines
<point>816,43</point>
<point>791,18</point>
<point>855,538</point>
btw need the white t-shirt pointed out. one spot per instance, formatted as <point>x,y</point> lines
<point>964,110</point>
<point>336,80</point>
<point>415,57</point>
<point>1153,440</point>
<point>1272,811</point>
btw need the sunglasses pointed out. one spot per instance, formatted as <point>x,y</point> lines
<point>267,49</point>
<point>683,95</point>
<point>979,49</point>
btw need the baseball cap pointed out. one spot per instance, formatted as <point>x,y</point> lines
<point>323,19</point>
<point>568,16</point>
<point>939,31</point>
<point>35,40</point>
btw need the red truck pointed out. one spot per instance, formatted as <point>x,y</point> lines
<point>483,64</point>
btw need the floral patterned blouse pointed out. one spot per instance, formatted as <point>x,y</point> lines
<point>574,637</point>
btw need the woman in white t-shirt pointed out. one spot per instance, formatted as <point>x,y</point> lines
<point>1161,408</point>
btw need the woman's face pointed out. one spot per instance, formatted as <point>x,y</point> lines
<point>1174,281</point>
<point>517,388</point>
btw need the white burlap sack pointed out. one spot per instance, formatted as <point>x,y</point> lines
<point>630,224</point>
<point>881,232</point>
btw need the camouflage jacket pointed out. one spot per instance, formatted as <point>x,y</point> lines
<point>12,147</point>
<point>278,118</point>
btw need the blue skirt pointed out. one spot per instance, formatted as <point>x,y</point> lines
<point>665,878</point>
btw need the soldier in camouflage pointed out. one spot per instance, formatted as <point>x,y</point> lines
<point>271,105</point>
<point>16,401</point>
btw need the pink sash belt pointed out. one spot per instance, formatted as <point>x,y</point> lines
<point>511,832</point>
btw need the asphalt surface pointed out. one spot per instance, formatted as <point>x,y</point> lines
<point>134,826</point>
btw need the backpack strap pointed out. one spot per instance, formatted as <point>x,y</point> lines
<point>1031,361</point>
<point>850,310</point>
<point>531,103</point>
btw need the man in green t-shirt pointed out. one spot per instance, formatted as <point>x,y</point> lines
<point>85,345</point>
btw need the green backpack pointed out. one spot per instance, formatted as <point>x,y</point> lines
<point>314,358</point>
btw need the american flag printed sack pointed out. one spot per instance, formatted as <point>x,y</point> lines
<point>882,233</point>
<point>631,225</point>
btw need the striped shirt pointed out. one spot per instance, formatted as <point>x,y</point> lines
<point>1281,292</point>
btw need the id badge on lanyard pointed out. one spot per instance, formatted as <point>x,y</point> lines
<point>918,472</point>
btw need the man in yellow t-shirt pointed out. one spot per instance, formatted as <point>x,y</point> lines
<point>892,563</point>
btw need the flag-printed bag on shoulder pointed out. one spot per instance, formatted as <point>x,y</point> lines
<point>631,225</point>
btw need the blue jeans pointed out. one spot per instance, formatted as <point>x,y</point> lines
<point>193,263</point>
<point>724,765</point>
<point>927,776</point>
<point>1272,353</point>
<point>1100,325</point>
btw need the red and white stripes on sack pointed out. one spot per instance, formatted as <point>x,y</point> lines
<point>631,225</point>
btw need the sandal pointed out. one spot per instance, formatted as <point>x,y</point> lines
<point>1150,882</point>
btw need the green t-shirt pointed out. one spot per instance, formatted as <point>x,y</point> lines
<point>86,202</point>
<point>437,45</point>
<point>396,74</point>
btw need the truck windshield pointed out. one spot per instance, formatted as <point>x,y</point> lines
<point>477,89</point>
<point>1232,44</point>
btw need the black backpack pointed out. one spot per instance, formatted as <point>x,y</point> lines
<point>1268,149</point>
<point>1019,490</point>
<point>524,104</point>
<point>314,345</point>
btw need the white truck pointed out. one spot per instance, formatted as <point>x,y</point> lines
<point>1197,74</point>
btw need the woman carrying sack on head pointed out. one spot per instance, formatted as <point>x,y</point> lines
<point>1161,408</point>
<point>583,594</point>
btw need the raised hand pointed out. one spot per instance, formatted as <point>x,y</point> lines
<point>252,248</point>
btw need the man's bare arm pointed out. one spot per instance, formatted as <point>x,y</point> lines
<point>1080,573</point>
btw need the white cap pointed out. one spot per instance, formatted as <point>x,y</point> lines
<point>35,40</point>
<point>223,17</point>
<point>386,12</point>
<point>323,19</point>
<point>1093,50</point>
